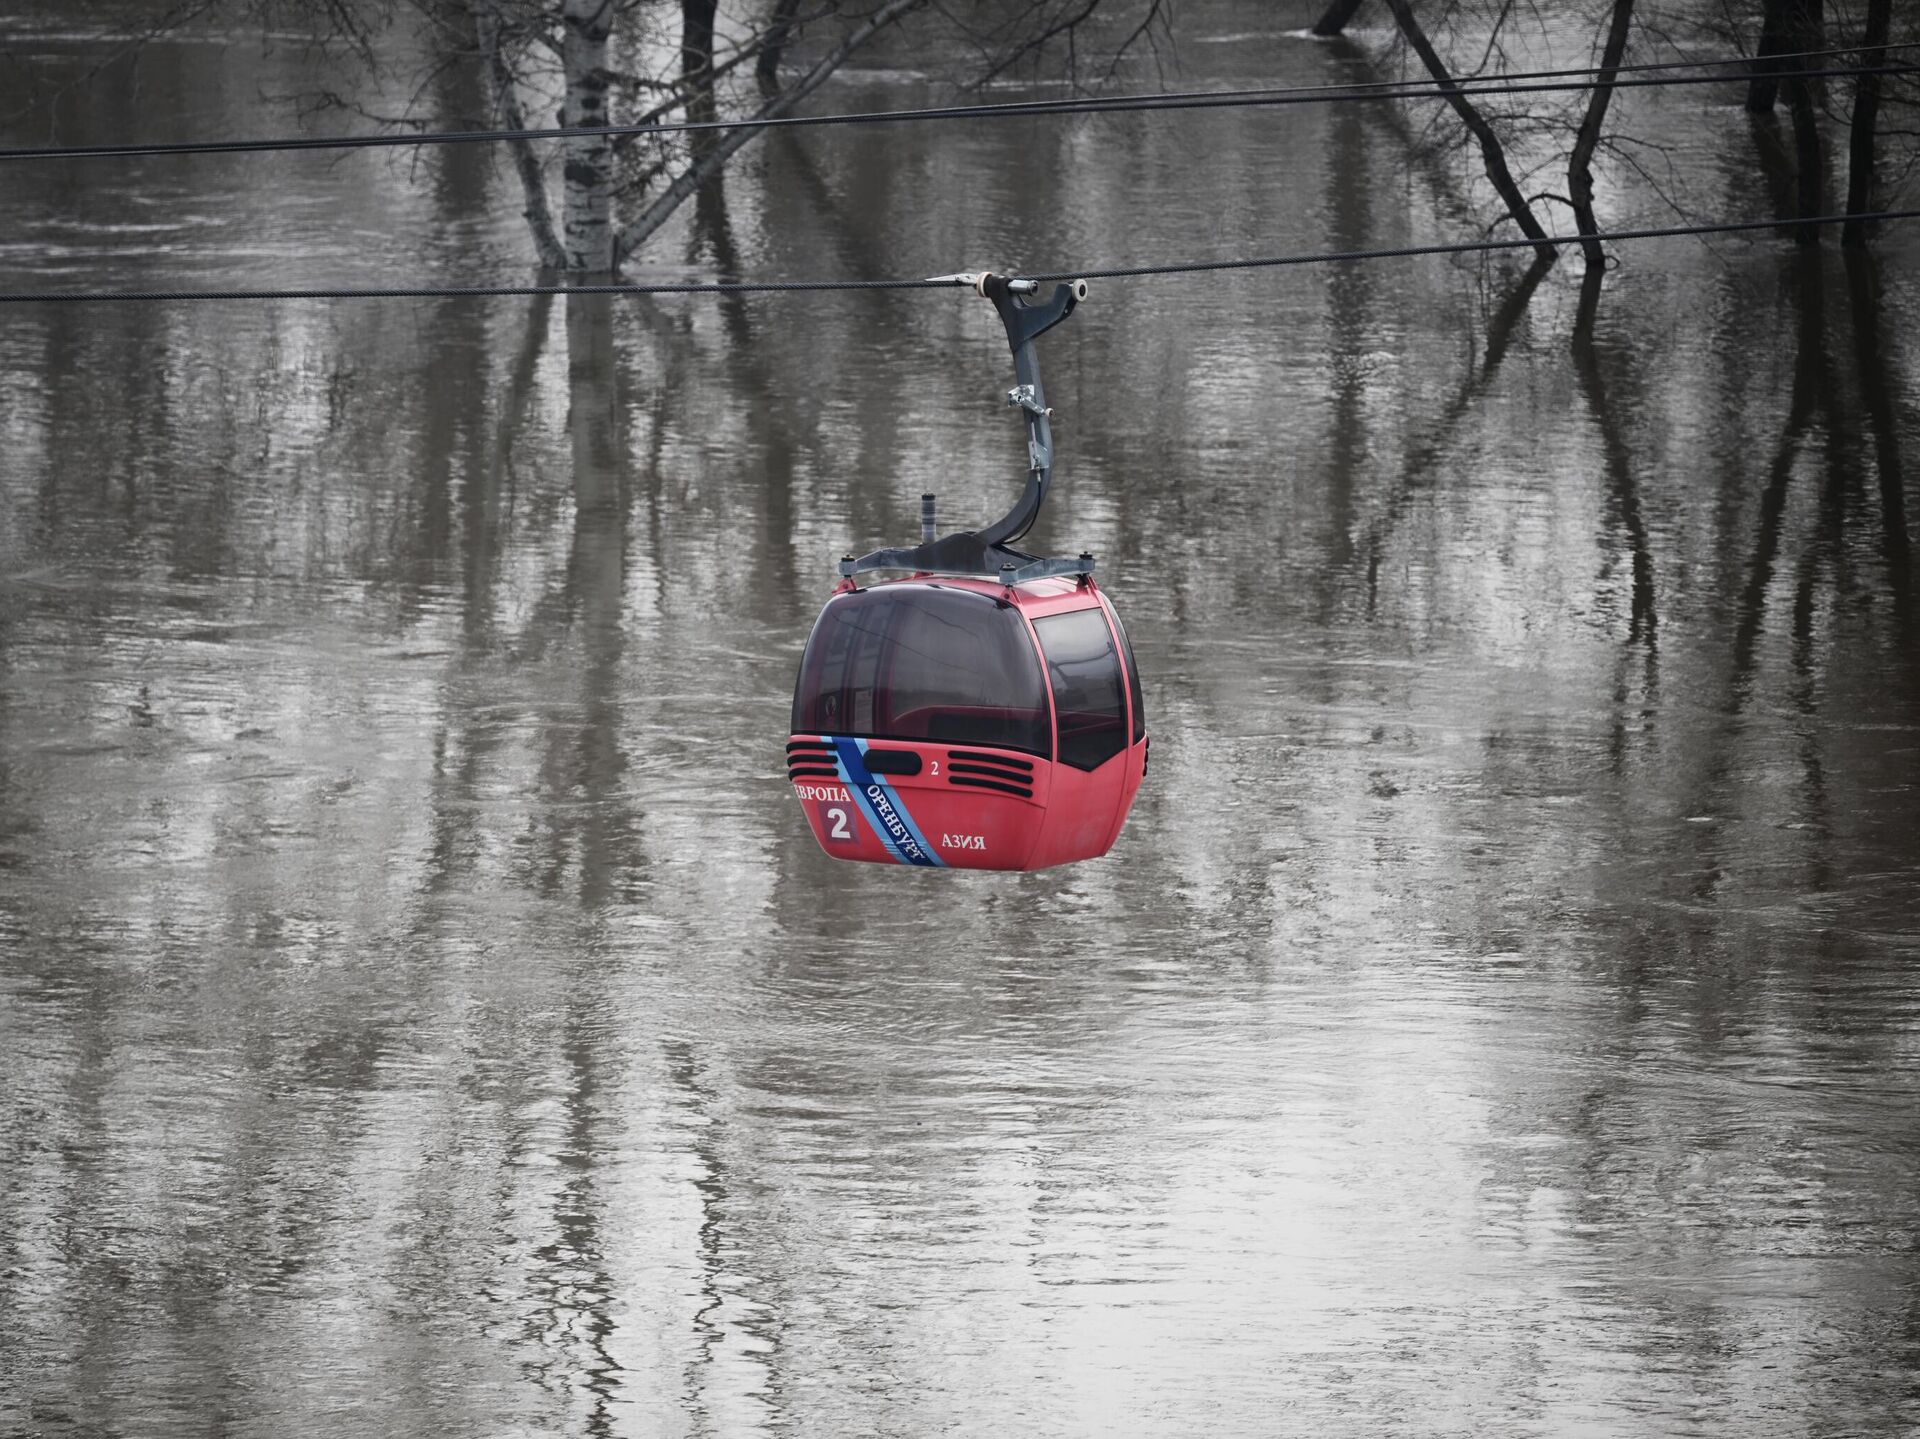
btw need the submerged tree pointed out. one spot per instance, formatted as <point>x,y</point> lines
<point>1794,27</point>
<point>1483,126</point>
<point>624,63</point>
<point>1829,29</point>
<point>1492,153</point>
<point>638,65</point>
<point>1861,157</point>
<point>592,200</point>
<point>1335,18</point>
<point>1587,138</point>
<point>1522,140</point>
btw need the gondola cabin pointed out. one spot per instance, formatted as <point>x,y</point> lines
<point>982,711</point>
<point>961,722</point>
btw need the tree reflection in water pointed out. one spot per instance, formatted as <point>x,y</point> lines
<point>426,1012</point>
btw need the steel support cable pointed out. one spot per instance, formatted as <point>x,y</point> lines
<point>1536,82</point>
<point>1465,247</point>
<point>778,287</point>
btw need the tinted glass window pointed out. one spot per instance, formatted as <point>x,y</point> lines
<point>1086,686</point>
<point>949,666</point>
<point>1134,696</point>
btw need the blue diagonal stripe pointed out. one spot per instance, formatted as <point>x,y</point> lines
<point>881,806</point>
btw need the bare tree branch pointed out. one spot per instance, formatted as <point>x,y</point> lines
<point>1491,152</point>
<point>1580,164</point>
<point>506,103</point>
<point>708,165</point>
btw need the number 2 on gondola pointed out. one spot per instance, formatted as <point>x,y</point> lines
<point>838,829</point>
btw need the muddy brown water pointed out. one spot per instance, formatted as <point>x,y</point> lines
<point>425,1012</point>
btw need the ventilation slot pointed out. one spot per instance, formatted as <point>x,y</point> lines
<point>1004,761</point>
<point>810,752</point>
<point>987,771</point>
<point>1015,789</point>
<point>991,771</point>
<point>810,759</point>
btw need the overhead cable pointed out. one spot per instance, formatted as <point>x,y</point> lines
<point>776,287</point>
<point>1534,82</point>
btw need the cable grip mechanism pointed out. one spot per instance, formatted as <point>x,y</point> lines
<point>988,551</point>
<point>1026,398</point>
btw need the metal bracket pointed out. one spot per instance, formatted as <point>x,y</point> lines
<point>1010,571</point>
<point>1041,569</point>
<point>985,553</point>
<point>1027,398</point>
<point>972,278</point>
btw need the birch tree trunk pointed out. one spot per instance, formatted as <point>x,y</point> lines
<point>588,227</point>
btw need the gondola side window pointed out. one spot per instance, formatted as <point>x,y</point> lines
<point>945,666</point>
<point>1134,696</point>
<point>1087,698</point>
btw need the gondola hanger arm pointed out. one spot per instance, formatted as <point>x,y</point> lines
<point>986,552</point>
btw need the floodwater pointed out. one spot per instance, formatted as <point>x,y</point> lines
<point>423,1009</point>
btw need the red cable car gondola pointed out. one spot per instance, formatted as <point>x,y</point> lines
<point>982,711</point>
